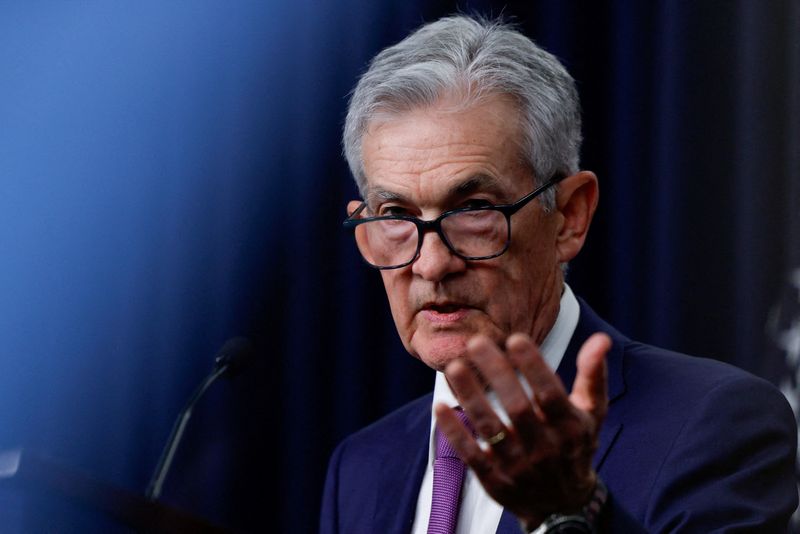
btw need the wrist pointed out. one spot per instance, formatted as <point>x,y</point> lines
<point>584,521</point>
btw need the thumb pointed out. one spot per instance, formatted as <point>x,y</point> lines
<point>590,390</point>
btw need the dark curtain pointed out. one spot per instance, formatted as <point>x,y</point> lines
<point>170,177</point>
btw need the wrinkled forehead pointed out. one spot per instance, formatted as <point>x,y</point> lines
<point>459,149</point>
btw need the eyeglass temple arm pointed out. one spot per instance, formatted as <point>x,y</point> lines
<point>358,210</point>
<point>511,209</point>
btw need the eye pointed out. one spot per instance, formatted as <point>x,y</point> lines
<point>477,203</point>
<point>387,210</point>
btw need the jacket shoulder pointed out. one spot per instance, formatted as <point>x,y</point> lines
<point>394,428</point>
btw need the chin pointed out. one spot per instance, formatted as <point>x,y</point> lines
<point>436,353</point>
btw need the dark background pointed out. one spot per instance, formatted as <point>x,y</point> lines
<point>170,177</point>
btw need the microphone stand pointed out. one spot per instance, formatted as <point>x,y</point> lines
<point>156,483</point>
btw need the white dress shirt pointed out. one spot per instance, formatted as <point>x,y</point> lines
<point>479,514</point>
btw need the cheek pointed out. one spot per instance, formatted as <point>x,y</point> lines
<point>535,252</point>
<point>507,292</point>
<point>516,287</point>
<point>397,293</point>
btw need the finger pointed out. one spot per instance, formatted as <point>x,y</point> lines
<point>590,390</point>
<point>472,398</point>
<point>461,439</point>
<point>503,380</point>
<point>548,391</point>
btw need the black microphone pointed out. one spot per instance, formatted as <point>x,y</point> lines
<point>234,356</point>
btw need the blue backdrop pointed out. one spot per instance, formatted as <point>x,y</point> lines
<point>170,177</point>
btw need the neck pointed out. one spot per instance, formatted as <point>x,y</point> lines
<point>548,309</point>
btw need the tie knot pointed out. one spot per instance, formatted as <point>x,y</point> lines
<point>443,447</point>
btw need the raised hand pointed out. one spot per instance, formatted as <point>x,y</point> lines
<point>540,463</point>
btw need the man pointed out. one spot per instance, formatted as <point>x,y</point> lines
<point>464,141</point>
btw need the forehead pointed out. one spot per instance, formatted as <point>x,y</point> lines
<point>427,151</point>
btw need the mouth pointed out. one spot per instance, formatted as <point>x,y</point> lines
<point>443,313</point>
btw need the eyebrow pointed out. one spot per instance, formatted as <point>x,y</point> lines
<point>477,182</point>
<point>378,194</point>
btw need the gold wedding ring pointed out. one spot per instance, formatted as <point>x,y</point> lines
<point>497,438</point>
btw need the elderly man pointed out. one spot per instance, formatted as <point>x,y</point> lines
<point>464,141</point>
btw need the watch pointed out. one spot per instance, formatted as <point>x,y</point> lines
<point>580,523</point>
<point>564,524</point>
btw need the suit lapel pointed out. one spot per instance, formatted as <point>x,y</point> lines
<point>401,473</point>
<point>509,524</point>
<point>588,324</point>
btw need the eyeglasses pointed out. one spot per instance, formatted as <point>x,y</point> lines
<point>473,233</point>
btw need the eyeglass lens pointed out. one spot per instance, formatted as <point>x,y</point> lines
<point>471,234</point>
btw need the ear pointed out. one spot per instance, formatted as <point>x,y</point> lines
<point>576,202</point>
<point>352,206</point>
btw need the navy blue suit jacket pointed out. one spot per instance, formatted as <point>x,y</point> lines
<point>689,445</point>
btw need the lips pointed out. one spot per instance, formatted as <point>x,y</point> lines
<point>445,312</point>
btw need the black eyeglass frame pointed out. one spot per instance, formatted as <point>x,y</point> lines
<point>435,225</point>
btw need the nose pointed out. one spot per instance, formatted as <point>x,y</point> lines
<point>435,260</point>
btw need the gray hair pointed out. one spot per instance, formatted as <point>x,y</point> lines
<point>472,58</point>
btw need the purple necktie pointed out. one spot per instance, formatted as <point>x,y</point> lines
<point>448,476</point>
